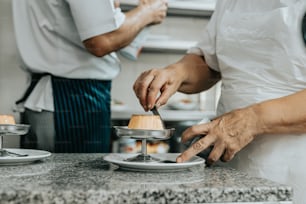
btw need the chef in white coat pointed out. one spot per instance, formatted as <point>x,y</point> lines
<point>258,50</point>
<point>68,48</point>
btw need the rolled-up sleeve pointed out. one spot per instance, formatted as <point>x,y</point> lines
<point>95,17</point>
<point>207,46</point>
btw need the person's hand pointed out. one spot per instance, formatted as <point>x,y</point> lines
<point>116,3</point>
<point>155,86</point>
<point>155,9</point>
<point>228,134</point>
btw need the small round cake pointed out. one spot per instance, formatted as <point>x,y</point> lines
<point>145,122</point>
<point>7,119</point>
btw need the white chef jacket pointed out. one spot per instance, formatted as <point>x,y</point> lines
<point>49,35</point>
<point>258,48</point>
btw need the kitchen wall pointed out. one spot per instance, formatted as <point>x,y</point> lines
<point>13,80</point>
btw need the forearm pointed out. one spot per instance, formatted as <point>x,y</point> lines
<point>136,19</point>
<point>130,28</point>
<point>282,115</point>
<point>198,76</point>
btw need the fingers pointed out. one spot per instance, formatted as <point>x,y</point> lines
<point>228,154</point>
<point>216,153</point>
<point>190,133</point>
<point>221,149</point>
<point>227,133</point>
<point>196,148</point>
<point>141,87</point>
<point>152,88</point>
<point>159,10</point>
<point>116,3</point>
<point>147,88</point>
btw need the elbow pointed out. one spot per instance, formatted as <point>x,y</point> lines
<point>98,52</point>
<point>98,48</point>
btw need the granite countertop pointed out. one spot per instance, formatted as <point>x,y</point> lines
<point>86,178</point>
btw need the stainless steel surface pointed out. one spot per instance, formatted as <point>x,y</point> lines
<point>19,129</point>
<point>1,143</point>
<point>124,131</point>
<point>5,153</point>
<point>6,130</point>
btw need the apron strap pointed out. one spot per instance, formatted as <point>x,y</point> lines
<point>35,77</point>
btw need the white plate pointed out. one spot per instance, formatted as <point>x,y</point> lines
<point>120,160</point>
<point>33,155</point>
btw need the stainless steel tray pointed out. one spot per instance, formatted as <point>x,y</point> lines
<point>18,129</point>
<point>124,131</point>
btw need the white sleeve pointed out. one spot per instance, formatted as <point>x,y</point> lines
<point>207,46</point>
<point>95,17</point>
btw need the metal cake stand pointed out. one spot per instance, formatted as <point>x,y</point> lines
<point>144,136</point>
<point>6,130</point>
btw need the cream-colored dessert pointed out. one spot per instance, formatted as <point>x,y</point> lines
<point>145,122</point>
<point>7,119</point>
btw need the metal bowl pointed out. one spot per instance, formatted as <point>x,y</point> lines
<point>124,131</point>
<point>18,129</point>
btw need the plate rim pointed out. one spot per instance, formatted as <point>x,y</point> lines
<point>28,159</point>
<point>153,165</point>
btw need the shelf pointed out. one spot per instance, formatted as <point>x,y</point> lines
<point>156,43</point>
<point>201,8</point>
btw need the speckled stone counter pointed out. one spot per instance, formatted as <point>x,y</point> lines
<point>86,178</point>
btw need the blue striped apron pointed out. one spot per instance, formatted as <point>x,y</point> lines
<point>82,115</point>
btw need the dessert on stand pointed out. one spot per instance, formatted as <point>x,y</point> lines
<point>148,128</point>
<point>9,156</point>
<point>9,127</point>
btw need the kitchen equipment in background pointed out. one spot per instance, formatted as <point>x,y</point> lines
<point>165,43</point>
<point>117,105</point>
<point>184,104</point>
<point>133,50</point>
<point>127,145</point>
<point>181,7</point>
<point>154,147</point>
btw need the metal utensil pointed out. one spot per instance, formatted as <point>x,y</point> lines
<point>155,112</point>
<point>5,153</point>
